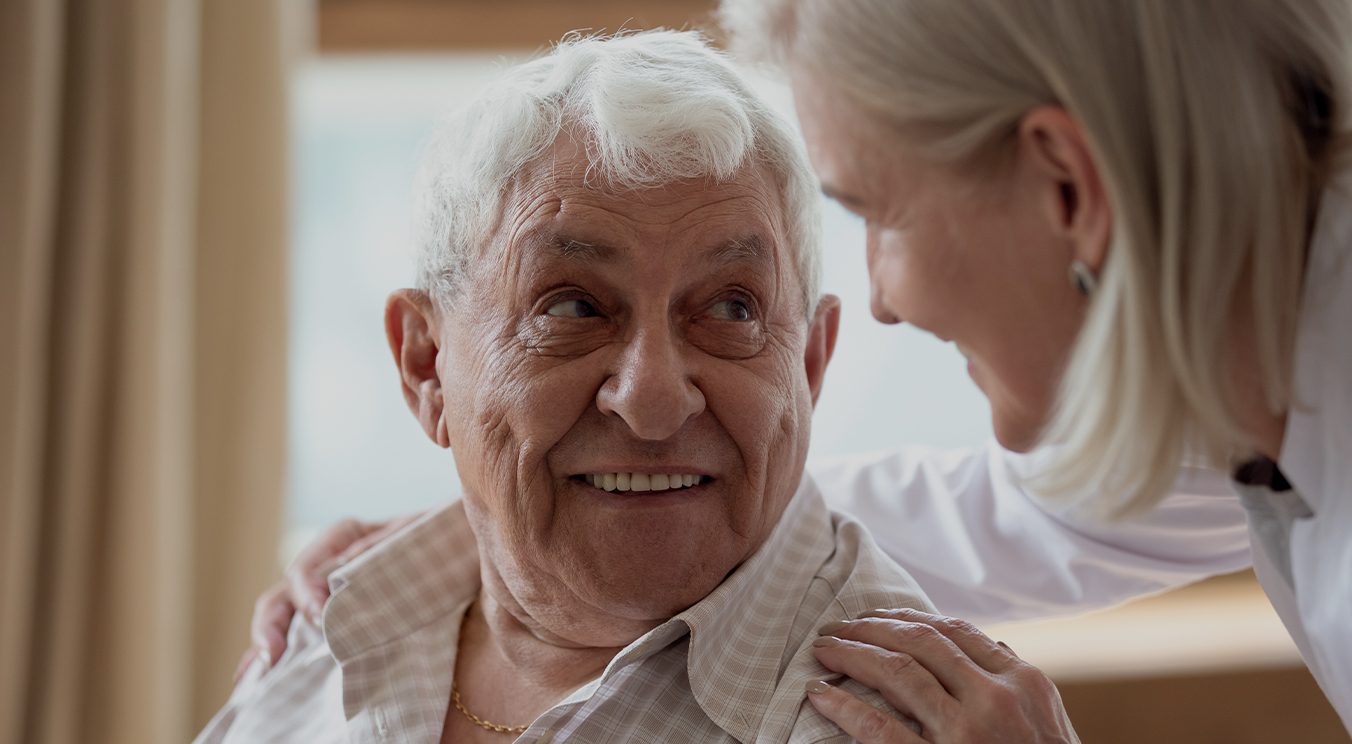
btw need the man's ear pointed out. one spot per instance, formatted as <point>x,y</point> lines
<point>1073,192</point>
<point>821,342</point>
<point>411,328</point>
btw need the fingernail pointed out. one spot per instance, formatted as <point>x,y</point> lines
<point>830,628</point>
<point>817,687</point>
<point>881,612</point>
<point>265,656</point>
<point>826,641</point>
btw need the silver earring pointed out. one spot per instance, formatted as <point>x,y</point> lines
<point>1082,278</point>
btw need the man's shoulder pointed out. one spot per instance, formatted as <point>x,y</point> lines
<point>858,575</point>
<point>863,577</point>
<point>410,579</point>
<point>835,571</point>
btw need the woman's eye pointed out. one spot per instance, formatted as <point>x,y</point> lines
<point>731,310</point>
<point>572,309</point>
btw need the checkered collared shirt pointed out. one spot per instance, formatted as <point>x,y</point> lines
<point>730,668</point>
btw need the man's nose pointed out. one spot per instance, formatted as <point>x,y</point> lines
<point>877,290</point>
<point>652,390</point>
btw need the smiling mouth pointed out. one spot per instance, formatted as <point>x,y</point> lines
<point>632,482</point>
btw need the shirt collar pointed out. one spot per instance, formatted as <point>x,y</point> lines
<point>740,632</point>
<point>1320,418</point>
<point>430,570</point>
<point>753,613</point>
<point>393,626</point>
<point>412,578</point>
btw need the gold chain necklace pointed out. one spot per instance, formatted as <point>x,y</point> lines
<point>496,728</point>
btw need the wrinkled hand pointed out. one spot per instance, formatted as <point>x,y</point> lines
<point>305,584</point>
<point>945,674</point>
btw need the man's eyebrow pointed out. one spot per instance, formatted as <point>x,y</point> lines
<point>747,248</point>
<point>580,250</point>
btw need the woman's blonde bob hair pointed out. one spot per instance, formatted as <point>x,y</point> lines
<point>1213,124</point>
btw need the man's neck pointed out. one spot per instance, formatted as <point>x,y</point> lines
<point>499,635</point>
<point>515,667</point>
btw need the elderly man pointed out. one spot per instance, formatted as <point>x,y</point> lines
<point>617,334</point>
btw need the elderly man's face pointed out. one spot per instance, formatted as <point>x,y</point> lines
<point>642,335</point>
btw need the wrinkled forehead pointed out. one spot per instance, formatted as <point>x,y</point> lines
<point>562,201</point>
<point>571,164</point>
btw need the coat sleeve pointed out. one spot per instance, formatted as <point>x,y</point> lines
<point>985,550</point>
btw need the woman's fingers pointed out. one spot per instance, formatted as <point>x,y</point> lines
<point>308,574</point>
<point>901,679</point>
<point>935,651</point>
<point>376,532</point>
<point>857,718</point>
<point>991,656</point>
<point>271,617</point>
<point>306,584</point>
<point>961,685</point>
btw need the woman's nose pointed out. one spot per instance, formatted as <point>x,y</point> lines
<point>652,390</point>
<point>877,290</point>
<point>878,305</point>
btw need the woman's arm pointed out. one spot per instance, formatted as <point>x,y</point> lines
<point>984,550</point>
<point>958,520</point>
<point>305,585</point>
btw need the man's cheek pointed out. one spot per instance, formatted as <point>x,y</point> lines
<point>768,430</point>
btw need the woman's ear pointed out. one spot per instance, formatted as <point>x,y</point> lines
<point>411,329</point>
<point>1072,187</point>
<point>821,342</point>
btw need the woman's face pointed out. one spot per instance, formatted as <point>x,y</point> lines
<point>978,260</point>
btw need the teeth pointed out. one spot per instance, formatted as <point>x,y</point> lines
<point>642,481</point>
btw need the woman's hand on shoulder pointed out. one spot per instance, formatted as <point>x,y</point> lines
<point>305,584</point>
<point>952,679</point>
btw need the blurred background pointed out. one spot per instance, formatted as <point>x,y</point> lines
<point>203,205</point>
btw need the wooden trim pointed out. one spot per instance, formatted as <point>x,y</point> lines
<point>363,26</point>
<point>1252,707</point>
<point>1224,623</point>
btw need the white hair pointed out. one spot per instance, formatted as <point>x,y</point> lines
<point>654,107</point>
<point>1214,123</point>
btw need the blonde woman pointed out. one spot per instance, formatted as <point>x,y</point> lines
<point>1133,219</point>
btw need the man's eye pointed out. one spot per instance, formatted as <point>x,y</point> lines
<point>731,310</point>
<point>572,309</point>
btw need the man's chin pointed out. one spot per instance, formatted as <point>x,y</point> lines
<point>650,604</point>
<point>655,590</point>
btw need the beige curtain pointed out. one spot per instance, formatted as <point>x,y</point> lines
<point>142,347</point>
